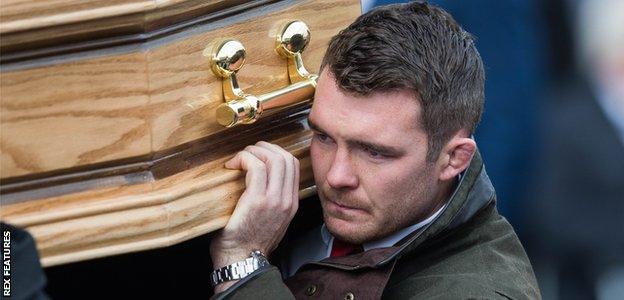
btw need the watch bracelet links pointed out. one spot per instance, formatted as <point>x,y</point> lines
<point>237,270</point>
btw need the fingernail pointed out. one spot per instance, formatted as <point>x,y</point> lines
<point>228,164</point>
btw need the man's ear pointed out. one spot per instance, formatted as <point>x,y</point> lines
<point>456,156</point>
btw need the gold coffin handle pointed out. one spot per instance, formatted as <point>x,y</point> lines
<point>228,56</point>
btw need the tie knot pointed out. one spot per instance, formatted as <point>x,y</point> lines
<point>342,248</point>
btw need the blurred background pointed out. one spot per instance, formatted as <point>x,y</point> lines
<point>552,134</point>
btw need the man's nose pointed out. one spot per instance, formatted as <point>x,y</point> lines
<point>341,174</point>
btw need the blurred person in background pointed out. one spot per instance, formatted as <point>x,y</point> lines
<point>577,225</point>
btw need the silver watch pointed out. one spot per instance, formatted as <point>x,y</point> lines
<point>240,269</point>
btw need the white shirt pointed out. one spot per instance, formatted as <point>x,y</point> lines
<point>316,245</point>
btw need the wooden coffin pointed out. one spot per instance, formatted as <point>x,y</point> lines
<point>109,140</point>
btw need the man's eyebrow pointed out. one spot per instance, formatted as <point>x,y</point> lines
<point>362,144</point>
<point>376,147</point>
<point>314,126</point>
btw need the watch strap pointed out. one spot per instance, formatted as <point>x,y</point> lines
<point>239,269</point>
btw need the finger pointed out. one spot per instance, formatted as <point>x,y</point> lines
<point>274,147</point>
<point>295,175</point>
<point>255,187</point>
<point>288,180</point>
<point>231,164</point>
<point>256,177</point>
<point>276,168</point>
<point>295,189</point>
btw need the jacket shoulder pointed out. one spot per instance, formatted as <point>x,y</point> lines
<point>481,259</point>
<point>443,287</point>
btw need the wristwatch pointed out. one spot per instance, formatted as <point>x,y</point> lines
<point>239,269</point>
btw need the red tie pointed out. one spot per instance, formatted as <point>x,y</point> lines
<point>342,248</point>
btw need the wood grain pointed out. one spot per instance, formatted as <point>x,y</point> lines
<point>26,23</point>
<point>74,114</point>
<point>109,108</point>
<point>155,214</point>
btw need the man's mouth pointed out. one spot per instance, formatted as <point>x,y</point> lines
<point>341,205</point>
<point>341,208</point>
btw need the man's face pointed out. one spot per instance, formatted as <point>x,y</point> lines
<point>369,162</point>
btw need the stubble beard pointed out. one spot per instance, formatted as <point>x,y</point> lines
<point>408,212</point>
<point>371,229</point>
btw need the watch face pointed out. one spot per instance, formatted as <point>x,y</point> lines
<point>260,258</point>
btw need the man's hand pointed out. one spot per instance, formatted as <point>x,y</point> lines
<point>265,209</point>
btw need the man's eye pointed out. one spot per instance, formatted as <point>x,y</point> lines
<point>322,137</point>
<point>374,154</point>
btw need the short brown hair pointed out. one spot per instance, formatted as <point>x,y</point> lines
<point>418,47</point>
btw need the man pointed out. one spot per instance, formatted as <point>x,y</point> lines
<point>398,176</point>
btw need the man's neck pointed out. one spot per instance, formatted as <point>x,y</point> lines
<point>441,198</point>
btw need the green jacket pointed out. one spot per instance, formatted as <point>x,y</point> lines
<point>468,252</point>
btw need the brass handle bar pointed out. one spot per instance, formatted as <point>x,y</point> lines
<point>228,56</point>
